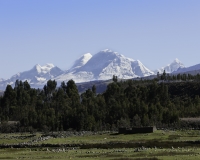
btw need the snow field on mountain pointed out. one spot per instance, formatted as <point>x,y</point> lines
<point>101,66</point>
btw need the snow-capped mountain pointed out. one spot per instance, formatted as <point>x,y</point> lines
<point>81,61</point>
<point>172,67</point>
<point>36,77</point>
<point>1,79</point>
<point>103,66</point>
<point>188,69</point>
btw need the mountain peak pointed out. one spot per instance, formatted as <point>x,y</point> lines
<point>37,76</point>
<point>1,79</point>
<point>106,50</point>
<point>43,69</point>
<point>104,64</point>
<point>176,61</point>
<point>100,66</point>
<point>86,57</point>
<point>172,67</point>
<point>37,67</point>
<point>81,61</point>
<point>50,65</point>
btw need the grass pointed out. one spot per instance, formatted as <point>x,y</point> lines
<point>107,154</point>
<point>109,138</point>
<point>104,138</point>
<point>165,145</point>
<point>15,138</point>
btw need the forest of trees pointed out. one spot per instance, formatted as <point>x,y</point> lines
<point>161,101</point>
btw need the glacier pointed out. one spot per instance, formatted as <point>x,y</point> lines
<point>100,66</point>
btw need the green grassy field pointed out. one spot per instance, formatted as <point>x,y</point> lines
<point>106,138</point>
<point>158,145</point>
<point>159,135</point>
<point>108,154</point>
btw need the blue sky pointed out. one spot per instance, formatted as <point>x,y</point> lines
<point>60,31</point>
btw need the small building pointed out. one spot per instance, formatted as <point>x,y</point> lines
<point>136,130</point>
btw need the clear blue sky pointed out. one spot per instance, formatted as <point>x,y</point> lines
<point>59,31</point>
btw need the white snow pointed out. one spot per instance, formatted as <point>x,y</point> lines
<point>172,67</point>
<point>1,79</point>
<point>101,66</point>
<point>44,69</point>
<point>81,61</point>
<point>37,76</point>
<point>41,79</point>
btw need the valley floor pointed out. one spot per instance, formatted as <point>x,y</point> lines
<point>109,146</point>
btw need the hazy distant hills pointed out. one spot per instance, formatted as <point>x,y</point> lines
<point>101,66</point>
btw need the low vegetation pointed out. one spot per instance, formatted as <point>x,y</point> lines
<point>163,144</point>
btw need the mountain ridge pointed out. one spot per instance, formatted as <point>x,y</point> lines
<point>190,68</point>
<point>81,61</point>
<point>36,76</point>
<point>103,66</point>
<point>172,67</point>
<point>100,66</point>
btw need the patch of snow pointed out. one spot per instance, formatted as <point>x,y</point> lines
<point>105,64</point>
<point>101,66</point>
<point>41,79</point>
<point>81,61</point>
<point>1,79</point>
<point>172,67</point>
<point>36,76</point>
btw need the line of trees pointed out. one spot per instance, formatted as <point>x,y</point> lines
<point>124,104</point>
